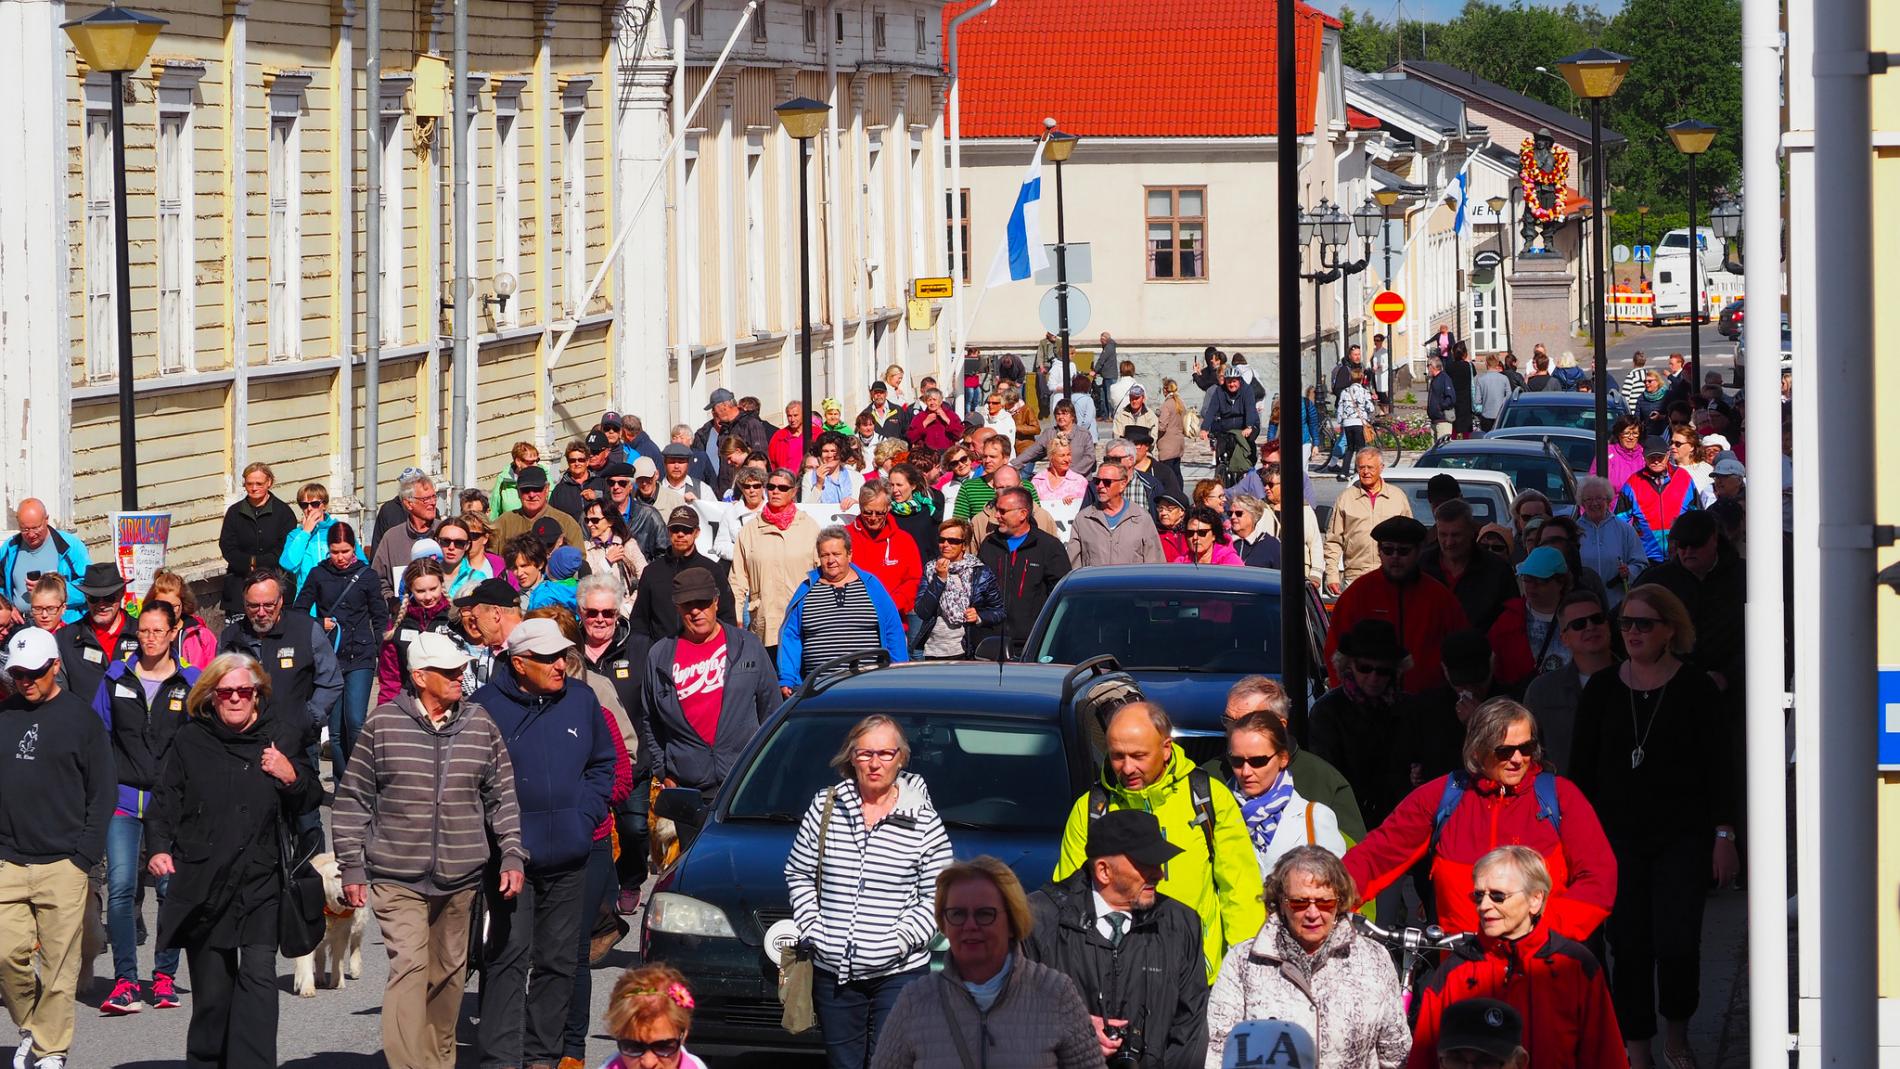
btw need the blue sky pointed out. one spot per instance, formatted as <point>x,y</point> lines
<point>1438,10</point>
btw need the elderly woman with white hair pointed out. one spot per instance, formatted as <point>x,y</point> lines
<point>1607,544</point>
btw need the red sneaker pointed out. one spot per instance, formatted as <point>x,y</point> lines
<point>124,1000</point>
<point>164,995</point>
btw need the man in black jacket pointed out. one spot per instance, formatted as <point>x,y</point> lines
<point>892,421</point>
<point>105,634</point>
<point>728,419</point>
<point>653,612</point>
<point>1028,564</point>
<point>1482,582</point>
<point>57,789</point>
<point>1133,953</point>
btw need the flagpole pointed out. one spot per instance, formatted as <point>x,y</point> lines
<point>1001,247</point>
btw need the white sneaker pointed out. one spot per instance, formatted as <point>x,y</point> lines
<point>51,1061</point>
<point>23,1054</point>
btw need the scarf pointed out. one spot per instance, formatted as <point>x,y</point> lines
<point>781,519</point>
<point>918,503</point>
<point>1262,814</point>
<point>1655,396</point>
<point>1361,698</point>
<point>957,590</point>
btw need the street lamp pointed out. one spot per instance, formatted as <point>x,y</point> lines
<point>804,118</point>
<point>1692,138</point>
<point>1726,217</point>
<point>1332,227</point>
<point>1365,223</point>
<point>1497,205</point>
<point>1595,74</point>
<point>116,41</point>
<point>1058,147</point>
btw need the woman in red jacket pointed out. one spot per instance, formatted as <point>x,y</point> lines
<point>1554,983</point>
<point>1502,797</point>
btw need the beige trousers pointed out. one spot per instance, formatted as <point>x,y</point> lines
<point>42,908</point>
<point>427,940</point>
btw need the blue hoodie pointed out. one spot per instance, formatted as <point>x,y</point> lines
<point>564,765</point>
<point>791,636</point>
<point>304,550</point>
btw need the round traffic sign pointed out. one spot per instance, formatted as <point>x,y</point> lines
<point>1620,253</point>
<point>1051,311</point>
<point>1388,307</point>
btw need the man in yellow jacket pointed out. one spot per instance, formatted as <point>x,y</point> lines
<point>1216,873</point>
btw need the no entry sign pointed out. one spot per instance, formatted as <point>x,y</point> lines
<point>1387,306</point>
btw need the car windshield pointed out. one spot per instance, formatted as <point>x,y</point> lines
<point>985,772</point>
<point>1582,417</point>
<point>1484,508</point>
<point>1204,631</point>
<point>1528,471</point>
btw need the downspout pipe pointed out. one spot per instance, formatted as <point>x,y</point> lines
<point>461,345</point>
<point>372,254</point>
<point>959,264</point>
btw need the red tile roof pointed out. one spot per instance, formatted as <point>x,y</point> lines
<point>1359,120</point>
<point>1129,68</point>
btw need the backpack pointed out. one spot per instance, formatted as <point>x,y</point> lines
<point>1456,784</point>
<point>1200,790</point>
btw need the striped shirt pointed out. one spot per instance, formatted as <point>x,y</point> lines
<point>876,912</point>
<point>837,620</point>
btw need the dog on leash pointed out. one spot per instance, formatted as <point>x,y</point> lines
<point>340,954</point>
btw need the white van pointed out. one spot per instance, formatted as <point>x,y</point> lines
<point>1669,277</point>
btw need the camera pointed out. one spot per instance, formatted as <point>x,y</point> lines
<point>1128,1055</point>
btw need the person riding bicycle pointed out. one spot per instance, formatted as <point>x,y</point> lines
<point>1503,796</point>
<point>1230,422</point>
<point>1554,982</point>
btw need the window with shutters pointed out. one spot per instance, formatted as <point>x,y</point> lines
<point>574,193</point>
<point>957,218</point>
<point>101,238</point>
<point>284,230</point>
<point>507,195</point>
<point>1177,233</point>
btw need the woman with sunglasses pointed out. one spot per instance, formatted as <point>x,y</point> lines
<point>1503,794</point>
<point>232,787</point>
<point>1651,750</point>
<point>1277,816</point>
<point>649,1015</point>
<point>1256,547</point>
<point>309,543</point>
<point>463,568</point>
<point>958,601</point>
<point>748,497</point>
<point>1554,982</point>
<point>1307,967</point>
<point>1205,537</point>
<point>610,549</point>
<point>481,538</point>
<point>770,558</point>
<point>865,907</point>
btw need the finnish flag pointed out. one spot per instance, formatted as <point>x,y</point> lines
<point>1021,254</point>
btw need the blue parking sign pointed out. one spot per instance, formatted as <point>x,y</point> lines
<point>1889,718</point>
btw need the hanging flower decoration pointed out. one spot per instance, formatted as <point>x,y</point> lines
<point>1534,176</point>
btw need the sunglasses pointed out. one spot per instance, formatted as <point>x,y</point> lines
<point>874,512</point>
<point>29,673</point>
<point>957,916</point>
<point>596,519</point>
<point>1394,549</point>
<point>242,694</point>
<point>313,504</point>
<point>1504,751</point>
<point>1105,481</point>
<point>1368,668</point>
<point>1497,897</point>
<point>1200,532</point>
<point>1642,625</point>
<point>543,658</point>
<point>1235,514</point>
<point>600,614</point>
<point>1583,622</point>
<point>779,488</point>
<point>661,1048</point>
<point>1256,761</point>
<point>452,543</point>
<point>1301,905</point>
<point>950,541</point>
<point>622,483</point>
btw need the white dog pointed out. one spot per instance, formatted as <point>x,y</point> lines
<point>342,943</point>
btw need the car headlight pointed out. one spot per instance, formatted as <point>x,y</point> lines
<point>678,914</point>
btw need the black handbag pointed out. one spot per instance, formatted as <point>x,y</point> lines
<point>300,920</point>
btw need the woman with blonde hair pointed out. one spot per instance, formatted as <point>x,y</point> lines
<point>1170,430</point>
<point>196,644</point>
<point>256,528</point>
<point>650,1015</point>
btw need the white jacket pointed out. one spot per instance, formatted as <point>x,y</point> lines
<point>1293,830</point>
<point>1346,997</point>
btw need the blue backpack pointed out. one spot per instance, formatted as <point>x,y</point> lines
<point>1456,784</point>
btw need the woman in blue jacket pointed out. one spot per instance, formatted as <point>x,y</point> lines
<point>348,599</point>
<point>309,541</point>
<point>838,609</point>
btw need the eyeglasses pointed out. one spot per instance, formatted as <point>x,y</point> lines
<point>237,694</point>
<point>600,614</point>
<point>47,610</point>
<point>1642,625</point>
<point>1301,905</point>
<point>867,513</point>
<point>1497,897</point>
<point>1370,668</point>
<point>1102,480</point>
<point>578,458</point>
<point>779,488</point>
<point>452,543</point>
<point>1503,752</point>
<point>661,1048</point>
<point>1256,761</point>
<point>262,606</point>
<point>1584,622</point>
<point>1200,532</point>
<point>957,916</point>
<point>880,756</point>
<point>1394,549</point>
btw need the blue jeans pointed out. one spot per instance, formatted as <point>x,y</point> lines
<point>972,397</point>
<point>851,1015</point>
<point>122,885</point>
<point>347,716</point>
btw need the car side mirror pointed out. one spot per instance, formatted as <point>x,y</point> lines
<point>990,649</point>
<point>681,805</point>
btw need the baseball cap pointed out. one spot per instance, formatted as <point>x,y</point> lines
<point>720,396</point>
<point>1655,446</point>
<point>1137,390</point>
<point>409,473</point>
<point>684,516</point>
<point>694,584</point>
<point>644,468</point>
<point>677,451</point>
<point>1131,833</point>
<point>495,592</point>
<point>611,419</point>
<point>31,649</point>
<point>880,387</point>
<point>618,469</point>
<point>1726,464</point>
<point>547,530</point>
<point>1719,441</point>
<point>540,637</point>
<point>430,650</point>
<point>1484,1025</point>
<point>533,477</point>
<point>1543,563</point>
<point>596,441</point>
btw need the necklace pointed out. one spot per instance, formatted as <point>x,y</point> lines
<point>1637,754</point>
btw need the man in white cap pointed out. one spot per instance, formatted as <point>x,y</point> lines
<point>428,786</point>
<point>562,749</point>
<point>1728,478</point>
<point>57,789</point>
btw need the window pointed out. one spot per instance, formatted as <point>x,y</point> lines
<point>696,19</point>
<point>811,26</point>
<point>688,216</point>
<point>839,26</point>
<point>1177,233</point>
<point>755,276</point>
<point>284,178</point>
<point>923,34</point>
<point>391,199</point>
<point>101,238</point>
<point>176,211</point>
<point>574,192</point>
<point>471,135</point>
<point>758,23</point>
<point>914,221</point>
<point>877,30</point>
<point>956,214</point>
<point>875,211</point>
<point>507,179</point>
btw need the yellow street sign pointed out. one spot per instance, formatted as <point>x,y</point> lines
<point>932,288</point>
<point>920,310</point>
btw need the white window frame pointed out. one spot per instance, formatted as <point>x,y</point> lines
<point>284,93</point>
<point>810,18</point>
<point>471,214</point>
<point>760,34</point>
<point>395,90</point>
<point>917,216</point>
<point>923,33</point>
<point>507,192</point>
<point>101,236</point>
<point>176,93</point>
<point>757,307</point>
<point>689,238</point>
<point>876,216</point>
<point>880,36</point>
<point>696,19</point>
<point>574,191</point>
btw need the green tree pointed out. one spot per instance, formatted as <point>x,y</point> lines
<point>1687,66</point>
<point>1364,42</point>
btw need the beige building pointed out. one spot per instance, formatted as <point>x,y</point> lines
<point>246,151</point>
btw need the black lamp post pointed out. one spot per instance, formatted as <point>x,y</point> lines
<point>1726,217</point>
<point>1497,204</point>
<point>1692,138</point>
<point>1333,228</point>
<point>1058,147</point>
<point>1595,74</point>
<point>116,41</point>
<point>1386,198</point>
<point>1365,223</point>
<point>1295,656</point>
<point>803,118</point>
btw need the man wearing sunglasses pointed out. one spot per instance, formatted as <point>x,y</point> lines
<point>57,790</point>
<point>1113,530</point>
<point>102,636</point>
<point>1583,626</point>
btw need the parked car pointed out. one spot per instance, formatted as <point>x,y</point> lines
<point>1489,492</point>
<point>1729,323</point>
<point>1554,409</point>
<point>1578,445</point>
<point>1531,465</point>
<point>1185,633</point>
<point>1004,749</point>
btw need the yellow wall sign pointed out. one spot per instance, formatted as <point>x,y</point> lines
<point>920,310</point>
<point>932,288</point>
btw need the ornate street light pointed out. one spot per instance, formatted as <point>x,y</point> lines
<point>1058,146</point>
<point>804,118</point>
<point>1692,138</point>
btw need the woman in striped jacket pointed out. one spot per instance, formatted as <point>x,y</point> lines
<point>862,874</point>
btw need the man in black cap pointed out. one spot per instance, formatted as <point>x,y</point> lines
<point>892,421</point>
<point>532,485</point>
<point>653,612</point>
<point>729,419</point>
<point>1134,953</point>
<point>677,486</point>
<point>1421,608</point>
<point>95,640</point>
<point>497,612</point>
<point>1481,1033</point>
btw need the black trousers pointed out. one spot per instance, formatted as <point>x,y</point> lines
<point>1355,441</point>
<point>597,890</point>
<point>1655,929</point>
<point>233,1007</point>
<point>538,930</point>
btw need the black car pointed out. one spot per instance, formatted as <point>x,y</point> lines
<point>1532,465</point>
<point>1185,632</point>
<point>1005,751</point>
<point>1729,323</point>
<point>1551,408</point>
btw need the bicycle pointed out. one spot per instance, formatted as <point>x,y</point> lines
<point>1413,946</point>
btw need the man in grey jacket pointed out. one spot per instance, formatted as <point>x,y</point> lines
<point>1113,530</point>
<point>427,786</point>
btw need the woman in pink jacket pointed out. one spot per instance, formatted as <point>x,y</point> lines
<point>1207,539</point>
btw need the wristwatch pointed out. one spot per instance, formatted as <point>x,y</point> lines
<point>1725,833</point>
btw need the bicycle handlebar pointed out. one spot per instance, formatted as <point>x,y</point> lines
<point>1413,939</point>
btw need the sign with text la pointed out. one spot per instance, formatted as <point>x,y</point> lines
<point>1269,1044</point>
